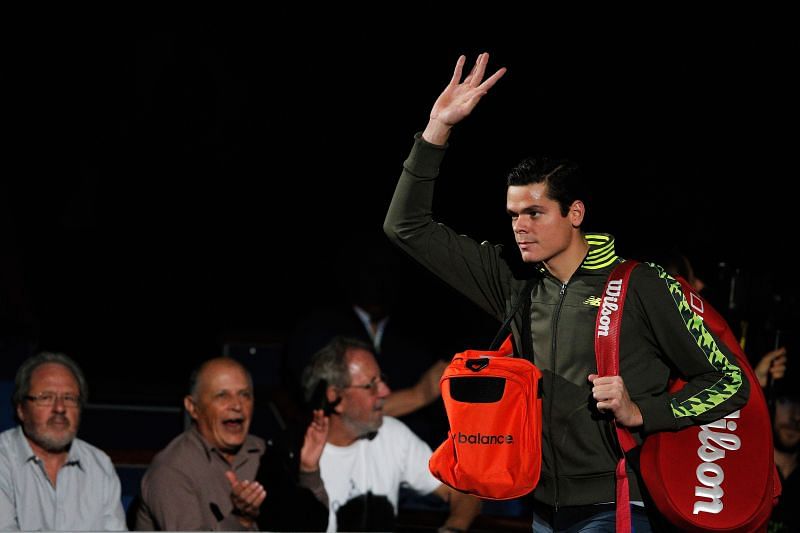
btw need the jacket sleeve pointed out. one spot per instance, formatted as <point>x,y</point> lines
<point>475,270</point>
<point>295,501</point>
<point>716,385</point>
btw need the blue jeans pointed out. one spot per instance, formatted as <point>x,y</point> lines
<point>602,522</point>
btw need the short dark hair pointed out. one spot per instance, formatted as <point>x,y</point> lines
<point>563,178</point>
<point>22,381</point>
<point>330,364</point>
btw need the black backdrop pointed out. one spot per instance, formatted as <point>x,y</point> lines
<point>172,183</point>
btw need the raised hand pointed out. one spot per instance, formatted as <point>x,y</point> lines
<point>314,442</point>
<point>459,98</point>
<point>773,363</point>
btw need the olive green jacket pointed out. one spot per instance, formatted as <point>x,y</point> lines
<point>579,451</point>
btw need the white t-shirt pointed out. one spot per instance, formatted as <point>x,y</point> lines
<point>395,456</point>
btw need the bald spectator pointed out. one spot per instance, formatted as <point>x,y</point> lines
<point>205,479</point>
<point>49,479</point>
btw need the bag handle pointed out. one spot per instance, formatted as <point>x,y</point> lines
<point>606,348</point>
<point>523,300</point>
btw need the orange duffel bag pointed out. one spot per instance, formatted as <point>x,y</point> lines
<point>494,407</point>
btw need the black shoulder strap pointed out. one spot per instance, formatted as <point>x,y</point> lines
<point>524,302</point>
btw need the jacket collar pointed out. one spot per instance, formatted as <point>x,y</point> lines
<point>601,254</point>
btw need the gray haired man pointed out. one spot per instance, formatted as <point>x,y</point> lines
<point>49,479</point>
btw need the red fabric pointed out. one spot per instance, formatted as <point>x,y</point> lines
<point>477,457</point>
<point>739,446</point>
<point>717,477</point>
<point>606,347</point>
<point>623,498</point>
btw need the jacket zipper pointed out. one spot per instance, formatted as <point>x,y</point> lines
<point>561,294</point>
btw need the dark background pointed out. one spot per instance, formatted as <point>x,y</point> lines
<point>177,181</point>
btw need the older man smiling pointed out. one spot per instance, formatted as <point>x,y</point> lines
<point>49,479</point>
<point>205,479</point>
<point>185,487</point>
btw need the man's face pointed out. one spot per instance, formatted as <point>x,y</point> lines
<point>362,402</point>
<point>223,406</point>
<point>51,427</point>
<point>541,231</point>
<point>787,425</point>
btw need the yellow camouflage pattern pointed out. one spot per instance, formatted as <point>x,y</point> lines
<point>723,389</point>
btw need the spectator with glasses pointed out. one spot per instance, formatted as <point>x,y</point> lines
<point>49,479</point>
<point>367,455</point>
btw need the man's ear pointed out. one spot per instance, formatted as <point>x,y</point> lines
<point>332,395</point>
<point>19,413</point>
<point>577,212</point>
<point>190,406</point>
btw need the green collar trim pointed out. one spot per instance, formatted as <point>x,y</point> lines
<point>601,251</point>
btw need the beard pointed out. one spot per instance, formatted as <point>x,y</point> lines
<point>783,446</point>
<point>363,429</point>
<point>53,440</point>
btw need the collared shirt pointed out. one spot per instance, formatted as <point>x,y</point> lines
<point>185,487</point>
<point>86,496</point>
<point>375,330</point>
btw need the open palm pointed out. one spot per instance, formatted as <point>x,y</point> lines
<point>459,98</point>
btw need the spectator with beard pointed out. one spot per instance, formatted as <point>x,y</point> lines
<point>372,311</point>
<point>786,436</point>
<point>367,455</point>
<point>49,479</point>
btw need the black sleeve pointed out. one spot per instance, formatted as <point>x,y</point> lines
<point>477,270</point>
<point>288,506</point>
<point>715,387</point>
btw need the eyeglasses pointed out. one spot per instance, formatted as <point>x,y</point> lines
<point>46,399</point>
<point>372,386</point>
